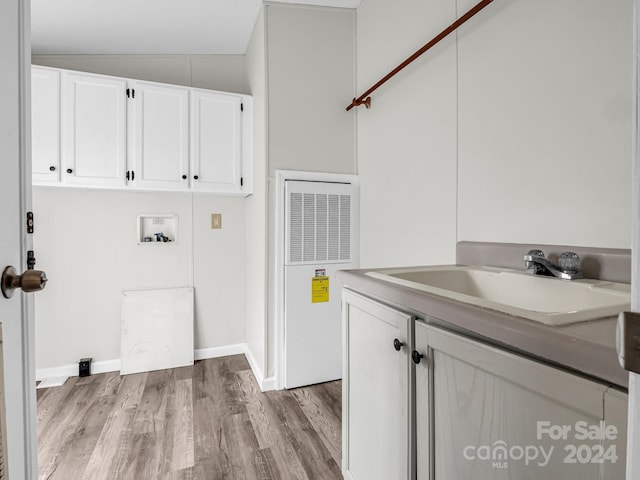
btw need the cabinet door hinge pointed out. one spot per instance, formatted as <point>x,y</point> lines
<point>29,222</point>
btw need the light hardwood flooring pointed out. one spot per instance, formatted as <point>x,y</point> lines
<point>209,421</point>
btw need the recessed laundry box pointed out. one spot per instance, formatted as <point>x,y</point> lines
<point>156,228</point>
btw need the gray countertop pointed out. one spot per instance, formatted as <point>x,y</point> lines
<point>587,348</point>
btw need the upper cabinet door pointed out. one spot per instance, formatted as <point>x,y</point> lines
<point>45,124</point>
<point>159,136</point>
<point>94,130</point>
<point>216,142</point>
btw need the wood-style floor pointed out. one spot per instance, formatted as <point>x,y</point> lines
<point>209,421</point>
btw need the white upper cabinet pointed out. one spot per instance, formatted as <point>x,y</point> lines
<point>94,124</point>
<point>98,131</point>
<point>159,136</point>
<point>45,124</point>
<point>216,141</point>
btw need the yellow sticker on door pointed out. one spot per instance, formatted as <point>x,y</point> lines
<point>319,289</point>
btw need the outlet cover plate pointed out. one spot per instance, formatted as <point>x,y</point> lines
<point>216,220</point>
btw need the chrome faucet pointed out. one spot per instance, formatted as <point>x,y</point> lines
<point>568,268</point>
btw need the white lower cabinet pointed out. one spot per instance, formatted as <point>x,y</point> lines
<point>375,391</point>
<point>486,413</point>
<point>477,411</point>
<point>616,404</point>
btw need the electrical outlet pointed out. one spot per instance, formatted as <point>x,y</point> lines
<point>216,220</point>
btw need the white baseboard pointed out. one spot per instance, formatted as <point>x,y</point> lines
<point>103,366</point>
<point>268,384</point>
<point>215,352</point>
<point>71,370</point>
<point>265,384</point>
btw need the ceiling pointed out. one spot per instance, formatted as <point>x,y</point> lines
<point>148,26</point>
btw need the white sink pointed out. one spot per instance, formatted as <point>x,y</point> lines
<point>543,299</point>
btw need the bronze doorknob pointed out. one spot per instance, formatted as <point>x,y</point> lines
<point>29,281</point>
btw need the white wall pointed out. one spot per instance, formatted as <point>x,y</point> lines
<point>545,133</point>
<point>214,72</point>
<point>86,242</point>
<point>256,205</point>
<point>219,271</point>
<point>310,77</point>
<point>407,140</point>
<point>516,129</point>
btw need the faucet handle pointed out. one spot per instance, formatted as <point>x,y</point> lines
<point>529,264</point>
<point>569,262</point>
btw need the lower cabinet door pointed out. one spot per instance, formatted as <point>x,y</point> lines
<point>487,414</point>
<point>616,405</point>
<point>376,396</point>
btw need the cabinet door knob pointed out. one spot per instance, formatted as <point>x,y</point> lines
<point>397,344</point>
<point>184,177</point>
<point>69,170</point>
<point>52,168</point>
<point>195,177</point>
<point>416,357</point>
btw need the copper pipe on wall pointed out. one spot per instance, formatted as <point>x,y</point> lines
<point>365,98</point>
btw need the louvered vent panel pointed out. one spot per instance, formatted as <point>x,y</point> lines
<point>309,246</point>
<point>345,227</point>
<point>319,227</point>
<point>334,227</point>
<point>295,227</point>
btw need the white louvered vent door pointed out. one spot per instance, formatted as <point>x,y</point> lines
<point>319,226</point>
<point>319,235</point>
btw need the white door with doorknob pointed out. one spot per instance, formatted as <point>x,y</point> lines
<point>16,313</point>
